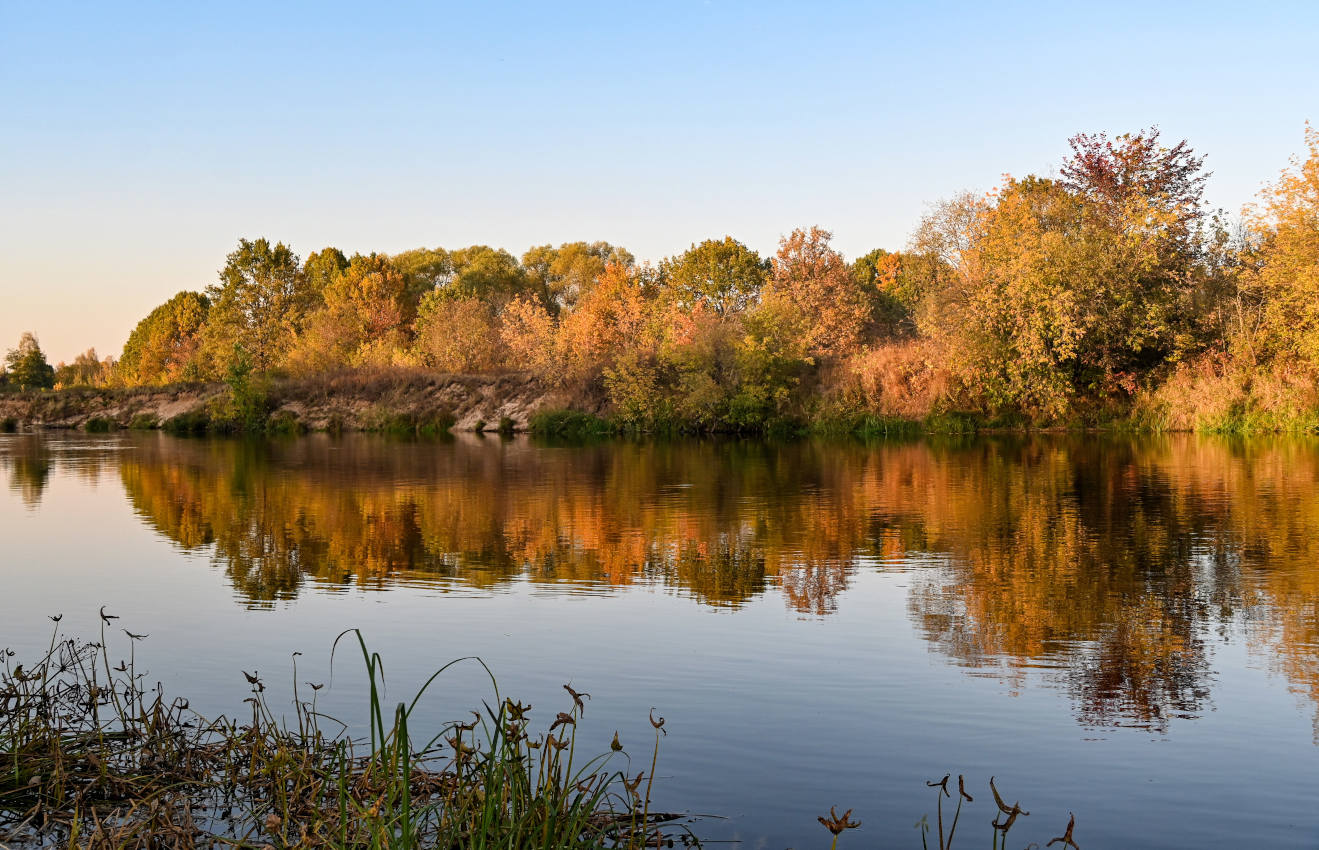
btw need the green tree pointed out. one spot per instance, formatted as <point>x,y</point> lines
<point>26,365</point>
<point>723,274</point>
<point>424,269</point>
<point>259,303</point>
<point>490,274</point>
<point>163,346</point>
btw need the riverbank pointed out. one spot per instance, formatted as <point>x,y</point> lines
<point>421,402</point>
<point>402,400</point>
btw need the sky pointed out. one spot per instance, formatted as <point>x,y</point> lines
<point>140,142</point>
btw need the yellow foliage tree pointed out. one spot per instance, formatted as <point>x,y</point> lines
<point>1285,224</point>
<point>364,321</point>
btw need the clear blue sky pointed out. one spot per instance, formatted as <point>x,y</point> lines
<point>139,142</point>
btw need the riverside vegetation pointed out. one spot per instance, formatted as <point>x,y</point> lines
<point>1106,294</point>
<point>94,758</point>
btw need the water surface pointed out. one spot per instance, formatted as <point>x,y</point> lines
<point>1125,629</point>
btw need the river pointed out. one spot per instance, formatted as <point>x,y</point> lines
<point>1122,628</point>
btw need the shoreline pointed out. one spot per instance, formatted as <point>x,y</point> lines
<point>414,402</point>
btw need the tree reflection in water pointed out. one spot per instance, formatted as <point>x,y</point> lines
<point>1109,564</point>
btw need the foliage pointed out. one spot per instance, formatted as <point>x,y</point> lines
<point>163,347</point>
<point>1135,165</point>
<point>723,274</point>
<point>259,304</point>
<point>456,334</point>
<point>366,312</point>
<point>1285,275</point>
<point>248,403</point>
<point>529,335</point>
<point>188,423</point>
<point>425,269</point>
<point>26,366</point>
<point>814,280</point>
<point>1066,300</point>
<point>432,423</point>
<point>560,277</point>
<point>322,267</point>
<point>611,319</point>
<point>489,274</point>
<point>99,425</point>
<point>85,370</point>
<point>1059,296</point>
<point>569,424</point>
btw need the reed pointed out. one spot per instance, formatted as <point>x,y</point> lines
<point>944,832</point>
<point>93,758</point>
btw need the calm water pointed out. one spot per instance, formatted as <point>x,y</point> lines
<point>1124,629</point>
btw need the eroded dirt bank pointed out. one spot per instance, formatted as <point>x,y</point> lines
<point>347,401</point>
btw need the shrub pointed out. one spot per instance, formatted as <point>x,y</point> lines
<point>405,424</point>
<point>572,424</point>
<point>191,422</point>
<point>285,422</point>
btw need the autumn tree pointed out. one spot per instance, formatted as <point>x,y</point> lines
<point>365,318</point>
<point>561,276</point>
<point>723,274</point>
<point>1113,172</point>
<point>1285,228</point>
<point>610,320</point>
<point>257,307</point>
<point>163,346</point>
<point>457,327</point>
<point>528,334</point>
<point>457,334</point>
<point>894,283</point>
<point>87,369</point>
<point>1052,301</point>
<point>1154,195</point>
<point>26,366</point>
<point>1049,291</point>
<point>321,267</point>
<point>816,281</point>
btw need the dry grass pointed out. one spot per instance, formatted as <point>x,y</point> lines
<point>898,380</point>
<point>1221,394</point>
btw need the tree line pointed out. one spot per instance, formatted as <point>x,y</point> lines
<point>1107,291</point>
